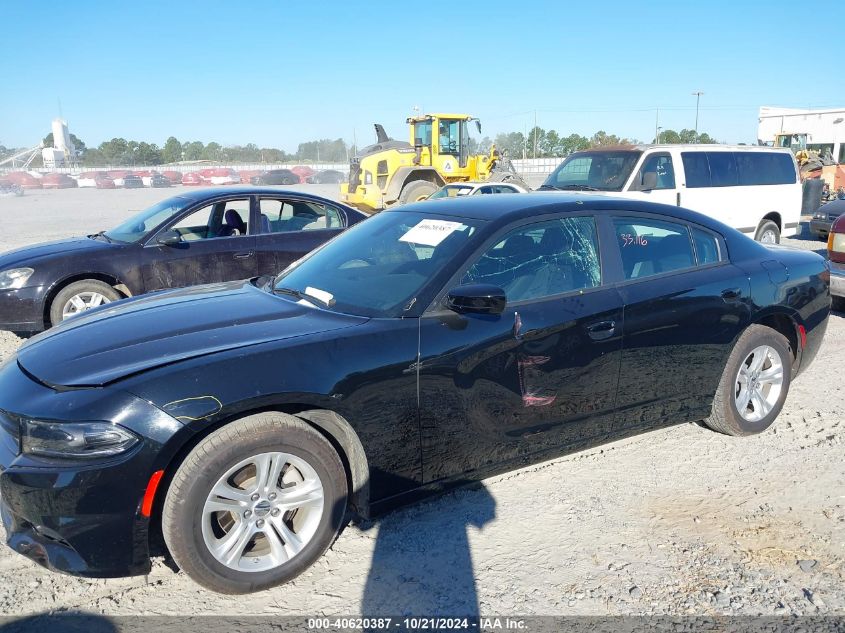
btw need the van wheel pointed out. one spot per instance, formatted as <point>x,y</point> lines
<point>754,383</point>
<point>416,191</point>
<point>768,233</point>
<point>254,504</point>
<point>79,297</point>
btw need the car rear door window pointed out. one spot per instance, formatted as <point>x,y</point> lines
<point>283,216</point>
<point>707,247</point>
<point>652,247</point>
<point>541,260</point>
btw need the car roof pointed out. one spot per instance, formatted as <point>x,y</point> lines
<point>507,209</point>
<point>251,190</point>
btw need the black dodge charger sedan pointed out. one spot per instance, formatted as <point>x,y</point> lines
<point>196,237</point>
<point>431,345</point>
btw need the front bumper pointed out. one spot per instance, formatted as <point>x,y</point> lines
<point>22,309</point>
<point>820,228</point>
<point>80,517</point>
<point>837,279</point>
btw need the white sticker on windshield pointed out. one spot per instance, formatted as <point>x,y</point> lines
<point>322,295</point>
<point>431,232</point>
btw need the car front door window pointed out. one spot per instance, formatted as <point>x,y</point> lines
<point>219,219</point>
<point>541,260</point>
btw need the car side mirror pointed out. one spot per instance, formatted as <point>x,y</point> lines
<point>649,181</point>
<point>169,238</point>
<point>476,299</point>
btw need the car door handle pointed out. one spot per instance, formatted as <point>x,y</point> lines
<point>246,255</point>
<point>731,294</point>
<point>601,330</point>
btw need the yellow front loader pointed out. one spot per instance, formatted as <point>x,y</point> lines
<point>395,172</point>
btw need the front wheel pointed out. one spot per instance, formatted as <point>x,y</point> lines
<point>768,233</point>
<point>79,297</point>
<point>754,383</point>
<point>254,504</point>
<point>416,191</point>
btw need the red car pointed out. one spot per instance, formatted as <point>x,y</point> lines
<point>303,172</point>
<point>173,176</point>
<point>58,181</point>
<point>248,174</point>
<point>104,182</point>
<point>24,180</point>
<point>836,254</point>
<point>193,179</point>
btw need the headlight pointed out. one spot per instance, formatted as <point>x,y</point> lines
<point>820,216</point>
<point>75,440</point>
<point>14,277</point>
<point>836,242</point>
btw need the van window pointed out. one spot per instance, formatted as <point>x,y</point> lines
<point>599,170</point>
<point>765,168</point>
<point>696,168</point>
<point>664,174</point>
<point>729,169</point>
<point>722,169</point>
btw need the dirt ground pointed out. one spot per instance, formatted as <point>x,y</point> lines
<point>682,521</point>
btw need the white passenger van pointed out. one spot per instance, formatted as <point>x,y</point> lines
<point>753,189</point>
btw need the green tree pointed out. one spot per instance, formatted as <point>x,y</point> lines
<point>671,137</point>
<point>192,150</point>
<point>212,151</point>
<point>147,154</point>
<point>512,142</point>
<point>172,150</point>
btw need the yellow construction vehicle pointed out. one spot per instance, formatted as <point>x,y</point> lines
<point>395,172</point>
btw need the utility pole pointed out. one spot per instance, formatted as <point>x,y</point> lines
<point>657,126</point>
<point>697,94</point>
<point>535,133</point>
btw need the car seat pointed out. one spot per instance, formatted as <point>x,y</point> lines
<point>234,224</point>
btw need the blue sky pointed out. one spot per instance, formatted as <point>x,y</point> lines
<point>280,73</point>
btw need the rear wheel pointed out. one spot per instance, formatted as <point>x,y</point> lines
<point>79,297</point>
<point>416,191</point>
<point>254,504</point>
<point>768,233</point>
<point>754,383</point>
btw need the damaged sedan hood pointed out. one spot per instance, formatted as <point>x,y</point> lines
<point>136,335</point>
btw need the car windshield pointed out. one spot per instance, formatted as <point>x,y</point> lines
<point>140,224</point>
<point>594,171</point>
<point>379,267</point>
<point>451,191</point>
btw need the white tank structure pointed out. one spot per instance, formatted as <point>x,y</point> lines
<point>63,152</point>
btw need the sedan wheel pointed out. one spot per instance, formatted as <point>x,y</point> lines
<point>262,512</point>
<point>81,302</point>
<point>80,296</point>
<point>254,504</point>
<point>754,383</point>
<point>758,383</point>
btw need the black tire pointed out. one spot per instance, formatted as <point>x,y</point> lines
<point>288,181</point>
<point>210,460</point>
<point>416,190</point>
<point>838,304</point>
<point>725,417</point>
<point>767,226</point>
<point>76,288</point>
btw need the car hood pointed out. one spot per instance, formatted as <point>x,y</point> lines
<point>137,335</point>
<point>29,254</point>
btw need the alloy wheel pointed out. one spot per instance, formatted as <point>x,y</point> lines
<point>82,302</point>
<point>758,383</point>
<point>262,512</point>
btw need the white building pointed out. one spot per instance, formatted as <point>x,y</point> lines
<point>819,131</point>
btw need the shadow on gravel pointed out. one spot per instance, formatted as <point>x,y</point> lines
<point>54,623</point>
<point>424,567</point>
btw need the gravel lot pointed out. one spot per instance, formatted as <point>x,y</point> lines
<point>682,521</point>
